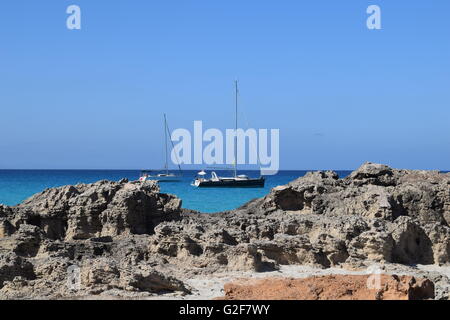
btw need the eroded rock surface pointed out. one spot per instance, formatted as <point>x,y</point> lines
<point>130,240</point>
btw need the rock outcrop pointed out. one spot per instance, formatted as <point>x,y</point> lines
<point>97,228</point>
<point>378,213</point>
<point>127,239</point>
<point>96,210</point>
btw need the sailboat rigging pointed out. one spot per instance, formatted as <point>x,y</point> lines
<point>165,175</point>
<point>236,180</point>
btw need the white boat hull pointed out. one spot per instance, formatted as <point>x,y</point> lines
<point>161,178</point>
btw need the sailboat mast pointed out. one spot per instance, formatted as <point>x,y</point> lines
<point>236,127</point>
<point>165,141</point>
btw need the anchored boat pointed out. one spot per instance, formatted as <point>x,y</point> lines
<point>240,181</point>
<point>163,175</point>
<point>236,181</point>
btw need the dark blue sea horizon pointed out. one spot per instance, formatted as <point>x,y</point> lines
<point>18,185</point>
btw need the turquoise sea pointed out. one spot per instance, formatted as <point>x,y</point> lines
<point>18,185</point>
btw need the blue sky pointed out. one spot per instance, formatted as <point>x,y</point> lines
<point>339,93</point>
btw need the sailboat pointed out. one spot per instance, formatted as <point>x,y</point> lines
<point>236,181</point>
<point>163,175</point>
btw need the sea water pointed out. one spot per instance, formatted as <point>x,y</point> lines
<point>18,185</point>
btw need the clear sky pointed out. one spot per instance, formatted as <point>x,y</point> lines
<point>339,93</point>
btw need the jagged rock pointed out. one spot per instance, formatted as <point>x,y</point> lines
<point>373,191</point>
<point>97,210</point>
<point>438,237</point>
<point>373,174</point>
<point>442,286</point>
<point>6,229</point>
<point>12,266</point>
<point>285,250</point>
<point>128,238</point>
<point>373,246</point>
<point>100,272</point>
<point>146,279</point>
<point>412,246</point>
<point>245,258</point>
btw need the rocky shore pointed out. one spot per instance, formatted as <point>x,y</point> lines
<point>128,240</point>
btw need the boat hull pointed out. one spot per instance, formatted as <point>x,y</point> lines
<point>168,179</point>
<point>163,178</point>
<point>250,183</point>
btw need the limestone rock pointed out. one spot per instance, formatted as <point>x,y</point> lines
<point>127,238</point>
<point>149,280</point>
<point>373,191</point>
<point>101,209</point>
<point>373,246</point>
<point>12,266</point>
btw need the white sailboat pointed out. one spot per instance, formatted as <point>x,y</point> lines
<point>163,175</point>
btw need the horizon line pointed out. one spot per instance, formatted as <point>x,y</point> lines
<point>65,169</point>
